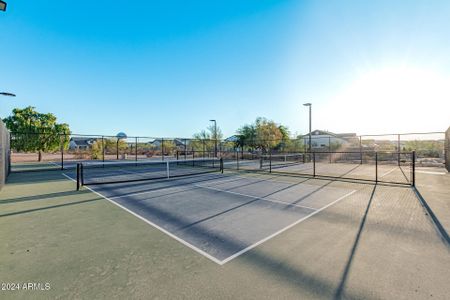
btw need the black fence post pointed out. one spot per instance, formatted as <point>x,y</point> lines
<point>221,165</point>
<point>78,177</point>
<point>376,167</point>
<point>162,148</point>
<point>62,151</point>
<point>270,161</point>
<point>398,149</point>
<point>413,169</point>
<point>360,150</point>
<point>204,149</point>
<point>136,148</point>
<point>117,149</point>
<point>237,160</point>
<point>185,150</point>
<point>314,163</point>
<point>103,148</point>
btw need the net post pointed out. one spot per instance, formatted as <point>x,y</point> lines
<point>413,169</point>
<point>167,169</point>
<point>78,176</point>
<point>185,149</point>
<point>221,165</point>
<point>178,154</point>
<point>261,162</point>
<point>314,163</point>
<point>398,149</point>
<point>193,154</point>
<point>376,167</point>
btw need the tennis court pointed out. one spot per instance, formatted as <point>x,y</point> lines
<point>220,216</point>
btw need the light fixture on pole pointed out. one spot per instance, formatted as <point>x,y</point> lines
<point>2,5</point>
<point>7,94</point>
<point>309,104</point>
<point>215,137</point>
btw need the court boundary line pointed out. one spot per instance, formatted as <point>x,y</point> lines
<point>239,253</point>
<point>199,251</point>
<point>431,172</point>
<point>178,239</point>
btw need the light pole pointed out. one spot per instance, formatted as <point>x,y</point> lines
<point>309,104</point>
<point>2,5</point>
<point>215,137</point>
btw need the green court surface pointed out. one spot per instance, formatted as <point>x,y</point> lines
<point>378,242</point>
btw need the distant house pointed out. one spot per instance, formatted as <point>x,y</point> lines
<point>80,143</point>
<point>323,138</point>
<point>233,139</point>
<point>179,143</point>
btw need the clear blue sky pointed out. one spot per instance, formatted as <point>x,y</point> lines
<point>164,68</point>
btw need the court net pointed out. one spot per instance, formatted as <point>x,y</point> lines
<point>114,172</point>
<point>281,160</point>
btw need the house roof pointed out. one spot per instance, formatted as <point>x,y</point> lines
<point>328,133</point>
<point>82,141</point>
<point>232,138</point>
<point>320,132</point>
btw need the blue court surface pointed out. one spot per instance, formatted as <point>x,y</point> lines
<point>221,216</point>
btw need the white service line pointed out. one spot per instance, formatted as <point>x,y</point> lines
<point>431,172</point>
<point>168,187</point>
<point>284,229</point>
<point>254,197</point>
<point>388,172</point>
<point>154,225</point>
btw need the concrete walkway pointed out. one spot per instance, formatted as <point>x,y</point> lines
<point>434,186</point>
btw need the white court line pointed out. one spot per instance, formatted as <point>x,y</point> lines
<point>388,172</point>
<point>154,225</point>
<point>217,261</point>
<point>218,182</point>
<point>284,229</point>
<point>432,173</point>
<point>254,197</point>
<point>168,187</point>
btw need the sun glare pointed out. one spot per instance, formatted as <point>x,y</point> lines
<point>394,99</point>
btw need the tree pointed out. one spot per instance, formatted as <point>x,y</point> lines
<point>264,135</point>
<point>34,131</point>
<point>205,139</point>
